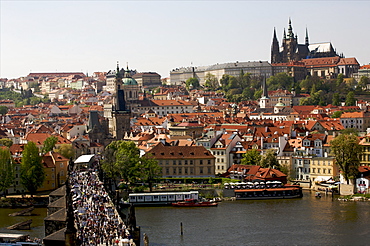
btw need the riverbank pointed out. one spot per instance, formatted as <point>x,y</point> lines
<point>24,201</point>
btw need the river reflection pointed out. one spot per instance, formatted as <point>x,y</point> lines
<point>306,221</point>
<point>37,226</point>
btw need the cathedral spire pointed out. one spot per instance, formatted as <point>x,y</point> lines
<point>284,34</point>
<point>307,42</point>
<point>275,49</point>
<point>290,30</point>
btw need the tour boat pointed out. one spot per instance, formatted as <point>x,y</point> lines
<point>161,198</point>
<point>194,203</point>
<point>268,190</point>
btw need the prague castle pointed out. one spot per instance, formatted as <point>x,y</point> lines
<point>292,51</point>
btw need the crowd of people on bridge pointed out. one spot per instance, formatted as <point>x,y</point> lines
<point>96,218</point>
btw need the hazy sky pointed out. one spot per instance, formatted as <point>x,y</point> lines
<point>158,36</point>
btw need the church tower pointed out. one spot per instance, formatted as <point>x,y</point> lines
<point>275,49</point>
<point>265,100</point>
<point>120,113</point>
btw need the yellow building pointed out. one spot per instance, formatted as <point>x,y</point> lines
<point>55,166</point>
<point>365,155</point>
<point>323,169</point>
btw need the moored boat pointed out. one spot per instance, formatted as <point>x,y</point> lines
<point>194,203</point>
<point>268,190</point>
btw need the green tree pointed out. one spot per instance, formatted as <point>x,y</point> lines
<point>350,99</point>
<point>3,110</point>
<point>336,99</point>
<point>6,169</point>
<point>192,83</point>
<point>66,150</point>
<point>32,170</point>
<point>340,80</point>
<point>120,161</point>
<point>364,81</point>
<point>337,114</point>
<point>49,144</point>
<point>6,142</point>
<point>269,160</point>
<point>211,81</point>
<point>251,157</point>
<point>148,171</point>
<point>280,81</point>
<point>347,150</point>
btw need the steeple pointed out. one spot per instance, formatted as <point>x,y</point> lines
<point>264,87</point>
<point>306,40</point>
<point>284,34</point>
<point>275,52</point>
<point>290,30</point>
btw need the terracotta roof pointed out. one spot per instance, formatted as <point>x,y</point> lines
<point>161,151</point>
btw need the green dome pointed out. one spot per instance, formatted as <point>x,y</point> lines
<point>279,104</point>
<point>129,81</point>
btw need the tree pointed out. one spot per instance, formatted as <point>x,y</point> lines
<point>32,170</point>
<point>336,99</point>
<point>347,150</point>
<point>192,83</point>
<point>149,171</point>
<point>66,150</point>
<point>49,144</point>
<point>120,161</point>
<point>3,110</point>
<point>211,81</point>
<point>350,99</point>
<point>269,160</point>
<point>6,169</point>
<point>337,114</point>
<point>251,157</point>
<point>6,142</point>
<point>363,82</point>
<point>280,81</point>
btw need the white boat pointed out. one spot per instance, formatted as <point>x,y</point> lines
<point>161,198</point>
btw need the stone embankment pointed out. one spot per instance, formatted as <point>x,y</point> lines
<point>23,202</point>
<point>354,199</point>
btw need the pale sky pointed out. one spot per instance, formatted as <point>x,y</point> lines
<point>158,36</point>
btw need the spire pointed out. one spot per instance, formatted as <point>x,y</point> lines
<point>264,93</point>
<point>290,30</point>
<point>275,49</point>
<point>284,34</point>
<point>307,42</point>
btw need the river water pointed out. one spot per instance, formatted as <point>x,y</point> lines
<point>37,226</point>
<point>304,221</point>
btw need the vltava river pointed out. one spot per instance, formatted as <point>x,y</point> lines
<point>37,226</point>
<point>305,221</point>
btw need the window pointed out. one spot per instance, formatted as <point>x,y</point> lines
<point>319,170</point>
<point>61,165</point>
<point>209,170</point>
<point>186,162</point>
<point>167,163</point>
<point>180,170</point>
<point>174,170</point>
<point>201,170</point>
<point>179,162</point>
<point>209,162</point>
<point>201,162</point>
<point>167,170</point>
<point>186,170</point>
<point>191,162</point>
<point>174,162</point>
